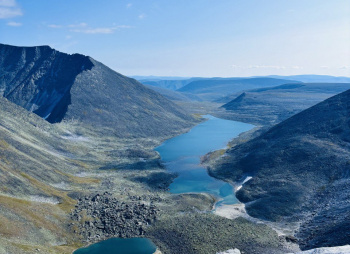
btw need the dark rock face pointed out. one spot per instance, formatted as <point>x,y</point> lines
<point>101,216</point>
<point>40,78</point>
<point>58,86</point>
<point>298,168</point>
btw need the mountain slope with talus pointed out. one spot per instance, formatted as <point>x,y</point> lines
<point>62,87</point>
<point>300,171</point>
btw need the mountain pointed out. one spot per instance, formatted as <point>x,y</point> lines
<point>154,78</point>
<point>315,78</point>
<point>174,95</point>
<point>215,88</point>
<point>274,104</point>
<point>172,84</point>
<point>62,87</point>
<point>300,172</point>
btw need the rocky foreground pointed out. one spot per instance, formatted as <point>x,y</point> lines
<point>98,217</point>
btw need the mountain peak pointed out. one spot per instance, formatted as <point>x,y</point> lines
<point>58,86</point>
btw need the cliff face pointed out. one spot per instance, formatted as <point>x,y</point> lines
<point>58,86</point>
<point>40,78</point>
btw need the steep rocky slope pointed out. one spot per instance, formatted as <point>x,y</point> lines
<point>58,86</point>
<point>300,170</point>
<point>35,173</point>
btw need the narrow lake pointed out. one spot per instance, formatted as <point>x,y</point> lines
<point>182,154</point>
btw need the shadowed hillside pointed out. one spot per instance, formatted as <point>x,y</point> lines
<point>300,170</point>
<point>58,86</point>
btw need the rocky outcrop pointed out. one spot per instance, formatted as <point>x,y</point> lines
<point>101,216</point>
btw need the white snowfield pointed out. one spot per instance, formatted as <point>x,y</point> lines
<point>327,250</point>
<point>231,251</point>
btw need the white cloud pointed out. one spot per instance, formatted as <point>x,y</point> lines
<point>8,3</point>
<point>94,30</point>
<point>100,30</point>
<point>86,29</point>
<point>14,24</point>
<point>267,67</point>
<point>129,5</point>
<point>346,67</point>
<point>9,9</point>
<point>276,67</point>
<point>142,16</point>
<point>54,26</point>
<point>78,25</point>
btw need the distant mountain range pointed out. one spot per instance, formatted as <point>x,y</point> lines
<point>300,171</point>
<point>199,86</point>
<point>58,86</point>
<point>274,104</point>
<point>315,78</point>
<point>213,89</point>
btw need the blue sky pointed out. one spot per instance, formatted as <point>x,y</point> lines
<point>189,38</point>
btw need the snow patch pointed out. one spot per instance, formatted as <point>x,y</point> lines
<point>327,250</point>
<point>244,181</point>
<point>75,138</point>
<point>41,199</point>
<point>231,251</point>
<point>61,185</point>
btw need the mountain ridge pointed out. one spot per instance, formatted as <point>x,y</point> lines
<point>59,86</point>
<point>297,167</point>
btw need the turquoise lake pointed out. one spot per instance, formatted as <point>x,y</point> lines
<point>120,246</point>
<point>182,154</point>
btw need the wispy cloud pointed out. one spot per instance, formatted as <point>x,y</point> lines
<point>86,29</point>
<point>129,5</point>
<point>346,67</point>
<point>100,30</point>
<point>142,16</point>
<point>78,25</point>
<point>9,9</point>
<point>14,24</point>
<point>276,67</point>
<point>54,26</point>
<point>8,3</point>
